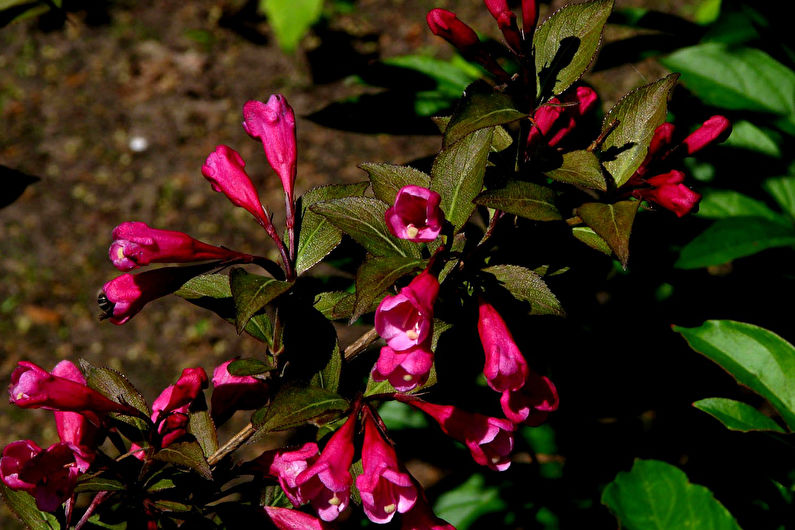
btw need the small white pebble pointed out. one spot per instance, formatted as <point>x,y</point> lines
<point>138,144</point>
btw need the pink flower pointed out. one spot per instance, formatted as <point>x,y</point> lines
<point>490,440</point>
<point>384,486</point>
<point>715,129</point>
<point>224,168</point>
<point>505,368</point>
<point>75,428</point>
<point>286,466</point>
<point>170,409</point>
<point>274,124</point>
<point>529,17</point>
<point>406,369</point>
<point>533,402</point>
<point>49,475</point>
<point>421,517</point>
<point>233,392</point>
<point>668,191</point>
<point>327,482</point>
<point>506,21</point>
<point>32,387</point>
<point>556,119</point>
<point>124,296</point>
<point>287,519</point>
<point>135,244</point>
<point>416,215</point>
<point>405,320</point>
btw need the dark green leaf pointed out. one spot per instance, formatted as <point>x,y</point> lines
<point>482,106</point>
<point>463,505</point>
<point>291,19</point>
<point>207,285</point>
<point>783,191</point>
<point>590,238</point>
<point>252,292</point>
<point>501,140</point>
<point>296,406</point>
<point>186,454</point>
<point>733,238</point>
<point>316,236</point>
<point>161,485</point>
<point>326,303</point>
<point>457,175</point>
<point>638,114</point>
<point>113,386</point>
<point>172,506</point>
<point>385,387</point>
<point>24,506</point>
<point>99,484</point>
<point>397,416</point>
<point>613,223</point>
<point>736,415</point>
<point>580,168</point>
<point>329,377</point>
<point>376,275</point>
<point>527,286</point>
<point>387,179</point>
<point>566,44</point>
<point>243,367</point>
<point>362,218</point>
<point>719,204</point>
<point>261,328</point>
<point>202,427</point>
<point>657,496</point>
<point>524,199</point>
<point>746,135</point>
<point>754,356</point>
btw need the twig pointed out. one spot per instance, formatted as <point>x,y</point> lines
<point>360,344</point>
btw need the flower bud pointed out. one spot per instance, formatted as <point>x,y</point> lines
<point>406,369</point>
<point>532,403</point>
<point>505,368</point>
<point>73,427</point>
<point>170,409</point>
<point>557,119</point>
<point>233,392</point>
<point>405,320</point>
<point>124,296</point>
<point>224,168</point>
<point>287,519</point>
<point>669,192</point>
<point>529,17</point>
<point>715,129</point>
<point>416,215</point>
<point>506,21</point>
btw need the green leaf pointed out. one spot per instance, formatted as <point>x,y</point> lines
<point>736,415</point>
<point>783,191</point>
<point>735,78</point>
<point>329,377</point>
<point>580,168</point>
<point>524,199</point>
<point>463,505</point>
<point>362,218</point>
<point>527,286</point>
<point>657,496</point>
<point>243,367</point>
<point>481,107</point>
<point>385,387</point>
<point>457,175</point>
<point>566,44</point>
<point>720,204</point>
<point>754,356</point>
<point>746,135</point>
<point>114,386</point>
<point>207,285</point>
<point>591,238</point>
<point>261,328</point>
<point>638,114</point>
<point>99,483</point>
<point>186,454</point>
<point>327,302</point>
<point>202,427</point>
<point>252,292</point>
<point>613,223</point>
<point>296,406</point>
<point>291,19</point>
<point>316,236</point>
<point>397,416</point>
<point>376,275</point>
<point>24,507</point>
<point>172,506</point>
<point>387,179</point>
<point>451,77</point>
<point>732,238</point>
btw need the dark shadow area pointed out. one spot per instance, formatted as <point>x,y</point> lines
<point>14,184</point>
<point>548,74</point>
<point>244,22</point>
<point>340,53</point>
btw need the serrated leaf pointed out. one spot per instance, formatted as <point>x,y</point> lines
<point>566,44</point>
<point>329,377</point>
<point>24,507</point>
<point>261,328</point>
<point>296,406</point>
<point>362,218</point>
<point>736,415</point>
<point>243,367</point>
<point>463,505</point>
<point>457,175</point>
<point>114,386</point>
<point>387,179</point>
<point>524,199</point>
<point>611,222</point>
<point>638,114</point>
<point>99,484</point>
<point>733,238</point>
<point>316,236</point>
<point>720,204</point>
<point>591,238</point>
<point>252,292</point>
<point>527,286</point>
<point>783,191</point>
<point>186,454</point>
<point>161,485</point>
<point>580,168</point>
<point>657,496</point>
<point>376,275</point>
<point>754,356</point>
<point>172,506</point>
<point>481,107</point>
<point>291,19</point>
<point>202,427</point>
<point>325,303</point>
<point>207,285</point>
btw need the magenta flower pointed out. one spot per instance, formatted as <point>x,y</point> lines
<point>532,403</point>
<point>421,517</point>
<point>224,168</point>
<point>287,519</point>
<point>135,244</point>
<point>234,392</point>
<point>489,440</point>
<point>406,369</point>
<point>384,486</point>
<point>274,124</point>
<point>73,427</point>
<point>405,320</point>
<point>555,120</point>
<point>529,17</point>
<point>505,368</point>
<point>286,466</point>
<point>667,190</point>
<point>170,409</point>
<point>124,296</point>
<point>506,21</point>
<point>48,474</point>
<point>416,215</point>
<point>327,482</point>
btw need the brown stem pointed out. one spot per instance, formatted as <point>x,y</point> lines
<point>360,344</point>
<point>602,137</point>
<point>96,501</point>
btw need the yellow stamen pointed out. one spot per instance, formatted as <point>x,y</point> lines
<point>412,335</point>
<point>412,231</point>
<point>21,395</point>
<point>408,377</point>
<point>120,253</point>
<point>495,459</point>
<point>335,501</point>
<point>389,508</point>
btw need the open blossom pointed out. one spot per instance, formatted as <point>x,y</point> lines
<point>286,466</point>
<point>505,368</point>
<point>224,168</point>
<point>405,369</point>
<point>287,519</point>
<point>416,215</point>
<point>405,320</point>
<point>532,403</point>
<point>73,427</point>
<point>235,392</point>
<point>170,409</point>
<point>489,440</point>
<point>385,487</point>
<point>274,124</point>
<point>555,120</point>
<point>327,482</point>
<point>135,244</point>
<point>421,517</point>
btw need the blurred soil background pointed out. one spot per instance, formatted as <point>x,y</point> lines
<point>115,110</point>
